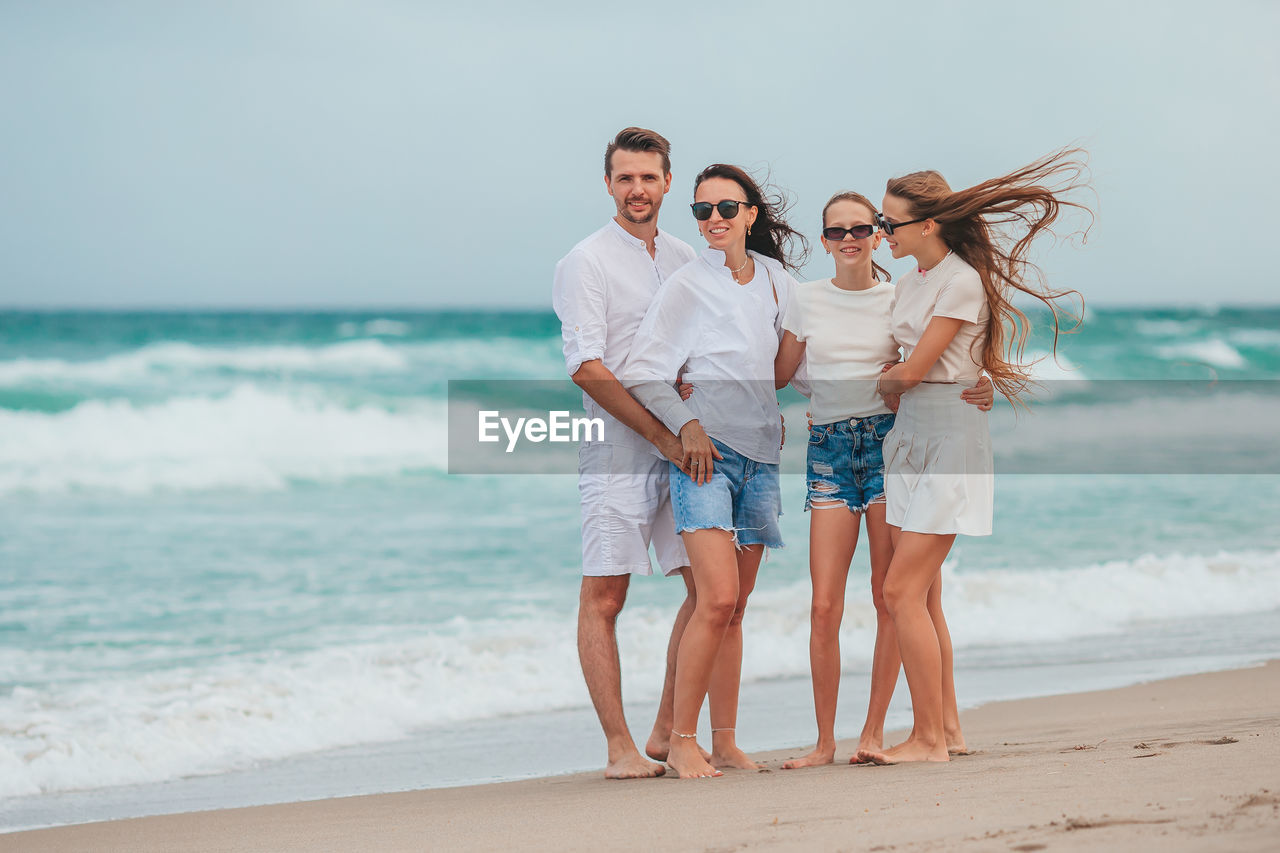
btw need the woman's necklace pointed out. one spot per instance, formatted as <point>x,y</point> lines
<point>734,273</point>
<point>923,272</point>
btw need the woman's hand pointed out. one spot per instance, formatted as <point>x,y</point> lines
<point>685,389</point>
<point>891,401</point>
<point>699,452</point>
<point>888,372</point>
<point>982,395</point>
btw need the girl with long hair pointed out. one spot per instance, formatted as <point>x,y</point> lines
<point>840,328</point>
<point>717,321</point>
<point>954,317</point>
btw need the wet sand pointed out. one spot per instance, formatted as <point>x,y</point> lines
<point>1190,763</point>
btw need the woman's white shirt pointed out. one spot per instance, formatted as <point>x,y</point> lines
<point>722,337</point>
<point>848,339</point>
<point>951,289</point>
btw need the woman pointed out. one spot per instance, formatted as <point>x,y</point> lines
<point>952,315</point>
<point>840,328</point>
<point>719,318</point>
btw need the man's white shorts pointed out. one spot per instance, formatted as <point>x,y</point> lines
<point>626,505</point>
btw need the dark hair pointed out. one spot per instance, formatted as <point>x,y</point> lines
<point>878,272</point>
<point>990,226</point>
<point>638,139</point>
<point>771,236</point>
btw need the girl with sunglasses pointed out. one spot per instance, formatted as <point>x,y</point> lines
<point>954,317</point>
<point>840,328</point>
<point>717,321</point>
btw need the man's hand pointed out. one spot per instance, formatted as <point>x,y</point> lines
<point>698,452</point>
<point>671,448</point>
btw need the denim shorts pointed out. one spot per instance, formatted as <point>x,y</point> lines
<point>742,497</point>
<point>846,462</point>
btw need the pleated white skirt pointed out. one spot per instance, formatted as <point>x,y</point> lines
<point>938,472</point>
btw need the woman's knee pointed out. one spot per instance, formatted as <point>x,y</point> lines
<point>825,614</point>
<point>717,607</point>
<point>739,610</point>
<point>898,596</point>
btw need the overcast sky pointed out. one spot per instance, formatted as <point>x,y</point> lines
<point>384,153</point>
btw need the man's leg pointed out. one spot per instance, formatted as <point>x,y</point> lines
<point>600,603</point>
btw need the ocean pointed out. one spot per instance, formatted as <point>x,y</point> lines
<point>235,566</point>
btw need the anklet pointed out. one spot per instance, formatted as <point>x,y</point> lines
<point>686,737</point>
<point>725,729</point>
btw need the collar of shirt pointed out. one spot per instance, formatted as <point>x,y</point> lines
<point>714,258</point>
<point>633,240</point>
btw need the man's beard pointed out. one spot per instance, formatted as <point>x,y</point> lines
<point>639,220</point>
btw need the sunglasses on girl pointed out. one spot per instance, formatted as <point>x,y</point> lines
<point>889,226</point>
<point>835,233</point>
<point>728,209</point>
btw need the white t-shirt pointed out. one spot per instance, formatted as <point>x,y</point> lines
<point>951,289</point>
<point>847,341</point>
<point>725,336</point>
<point>602,290</point>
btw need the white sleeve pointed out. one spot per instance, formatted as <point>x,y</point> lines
<point>961,297</point>
<point>580,299</point>
<point>793,316</point>
<point>662,344</point>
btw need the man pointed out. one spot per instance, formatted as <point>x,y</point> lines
<point>602,290</point>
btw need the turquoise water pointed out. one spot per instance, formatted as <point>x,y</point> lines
<point>228,539</point>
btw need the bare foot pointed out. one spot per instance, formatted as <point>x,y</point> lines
<point>905,752</point>
<point>866,744</point>
<point>955,743</point>
<point>633,766</point>
<point>871,756</point>
<point>659,746</point>
<point>733,757</point>
<point>685,757</point>
<point>817,758</point>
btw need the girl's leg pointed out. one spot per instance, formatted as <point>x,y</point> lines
<point>714,564</point>
<point>727,675</point>
<point>917,561</point>
<point>950,713</point>
<point>833,537</point>
<point>885,661</point>
<point>660,738</point>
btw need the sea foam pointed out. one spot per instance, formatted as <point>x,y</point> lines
<point>250,438</point>
<point>1213,351</point>
<point>233,710</point>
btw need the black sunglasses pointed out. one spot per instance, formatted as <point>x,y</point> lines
<point>728,209</point>
<point>835,233</point>
<point>889,226</point>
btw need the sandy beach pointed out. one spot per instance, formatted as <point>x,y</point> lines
<point>1183,764</point>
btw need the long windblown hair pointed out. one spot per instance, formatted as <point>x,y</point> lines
<point>771,236</point>
<point>991,226</point>
<point>878,272</point>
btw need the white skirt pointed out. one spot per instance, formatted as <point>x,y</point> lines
<point>938,472</point>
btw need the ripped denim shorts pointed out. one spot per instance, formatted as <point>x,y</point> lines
<point>846,462</point>
<point>742,497</point>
